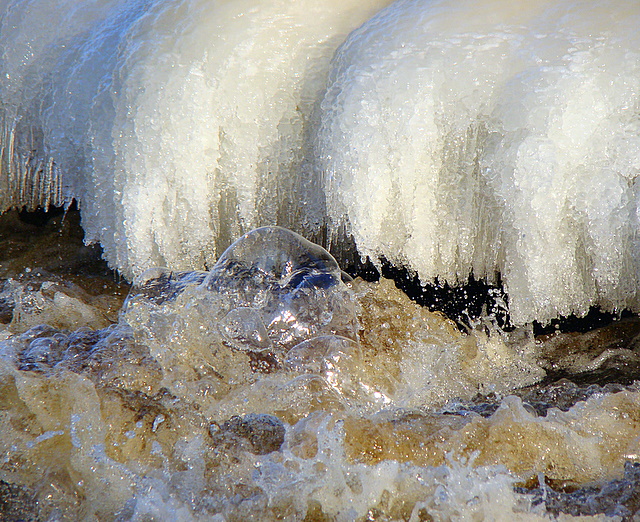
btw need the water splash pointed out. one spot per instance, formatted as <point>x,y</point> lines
<point>183,421</point>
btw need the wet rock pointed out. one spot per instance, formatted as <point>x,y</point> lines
<point>562,395</point>
<point>17,503</point>
<point>264,433</point>
<point>43,353</point>
<point>6,309</point>
<point>607,354</point>
<point>615,498</point>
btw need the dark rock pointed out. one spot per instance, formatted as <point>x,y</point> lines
<point>17,503</point>
<point>264,433</point>
<point>615,498</point>
<point>7,305</point>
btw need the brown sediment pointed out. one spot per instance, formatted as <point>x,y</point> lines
<point>48,258</point>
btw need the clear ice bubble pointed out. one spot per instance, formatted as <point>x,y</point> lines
<point>336,359</point>
<point>272,259</point>
<point>243,329</point>
<point>278,289</point>
<point>322,355</point>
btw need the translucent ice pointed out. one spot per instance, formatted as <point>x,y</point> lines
<point>280,288</point>
<point>340,363</point>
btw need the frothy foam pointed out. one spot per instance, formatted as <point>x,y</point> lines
<point>361,406</point>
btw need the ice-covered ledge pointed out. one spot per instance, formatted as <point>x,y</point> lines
<point>450,137</point>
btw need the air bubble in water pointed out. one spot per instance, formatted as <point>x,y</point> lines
<point>339,362</point>
<point>278,288</point>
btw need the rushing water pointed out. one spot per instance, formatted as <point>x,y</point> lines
<point>255,380</point>
<point>276,387</point>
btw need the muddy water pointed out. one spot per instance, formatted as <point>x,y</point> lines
<point>296,395</point>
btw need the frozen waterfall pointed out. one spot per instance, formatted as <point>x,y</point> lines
<point>178,125</point>
<point>453,137</point>
<point>493,137</point>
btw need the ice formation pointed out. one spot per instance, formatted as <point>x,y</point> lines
<point>493,138</point>
<point>177,125</point>
<point>274,281</point>
<point>451,137</point>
